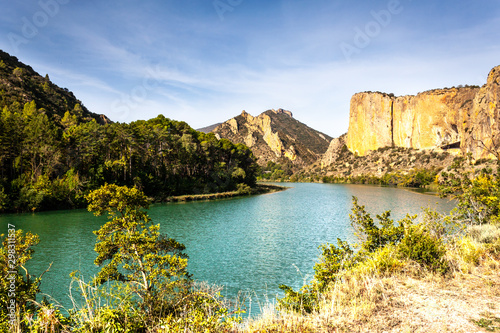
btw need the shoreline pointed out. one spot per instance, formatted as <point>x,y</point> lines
<point>259,189</point>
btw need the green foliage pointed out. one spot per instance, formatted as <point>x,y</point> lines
<point>133,251</point>
<point>420,246</point>
<point>373,237</point>
<point>414,178</point>
<point>478,195</point>
<point>383,261</point>
<point>333,260</point>
<point>49,165</point>
<point>4,199</point>
<point>276,171</point>
<point>16,251</point>
<point>244,189</point>
<point>383,248</point>
<point>107,308</point>
<point>147,286</point>
<point>303,301</point>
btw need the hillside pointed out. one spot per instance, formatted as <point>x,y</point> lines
<point>275,136</point>
<point>208,129</point>
<point>20,84</point>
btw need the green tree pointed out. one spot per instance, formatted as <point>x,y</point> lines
<point>131,250</point>
<point>16,251</point>
<point>478,195</point>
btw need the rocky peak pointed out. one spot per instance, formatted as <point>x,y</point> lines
<point>494,76</point>
<point>247,116</point>
<point>281,111</point>
<point>275,136</point>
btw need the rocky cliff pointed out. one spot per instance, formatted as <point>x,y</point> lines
<point>456,118</point>
<point>334,151</point>
<point>275,136</point>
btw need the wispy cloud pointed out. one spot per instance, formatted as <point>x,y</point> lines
<point>134,62</point>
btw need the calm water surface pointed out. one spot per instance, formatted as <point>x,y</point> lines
<point>250,244</point>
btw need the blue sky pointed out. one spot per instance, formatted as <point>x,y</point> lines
<point>205,61</point>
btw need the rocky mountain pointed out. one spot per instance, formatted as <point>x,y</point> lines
<point>276,136</point>
<point>464,119</point>
<point>208,129</point>
<point>20,84</point>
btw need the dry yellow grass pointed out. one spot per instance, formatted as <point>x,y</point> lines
<point>410,300</point>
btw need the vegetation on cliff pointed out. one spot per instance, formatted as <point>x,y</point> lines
<point>20,84</point>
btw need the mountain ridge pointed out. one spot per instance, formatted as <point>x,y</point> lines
<point>275,136</point>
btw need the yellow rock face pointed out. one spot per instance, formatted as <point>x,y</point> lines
<point>431,119</point>
<point>262,124</point>
<point>370,122</point>
<point>481,127</point>
<point>445,118</point>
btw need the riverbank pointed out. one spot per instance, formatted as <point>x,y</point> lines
<point>462,303</point>
<point>389,294</point>
<point>259,189</point>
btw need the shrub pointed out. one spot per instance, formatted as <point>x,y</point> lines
<point>26,285</point>
<point>333,260</point>
<point>371,236</point>
<point>244,189</point>
<point>478,195</point>
<point>303,301</point>
<point>469,250</point>
<point>383,261</point>
<point>420,246</point>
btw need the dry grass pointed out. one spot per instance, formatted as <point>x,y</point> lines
<point>410,300</point>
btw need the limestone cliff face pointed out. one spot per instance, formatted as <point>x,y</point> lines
<point>463,118</point>
<point>275,136</point>
<point>481,126</point>
<point>431,119</point>
<point>334,151</point>
<point>370,122</point>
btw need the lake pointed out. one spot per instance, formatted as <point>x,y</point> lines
<point>250,244</point>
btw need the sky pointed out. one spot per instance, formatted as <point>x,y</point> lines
<point>204,61</point>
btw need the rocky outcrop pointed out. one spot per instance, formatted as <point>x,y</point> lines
<point>334,151</point>
<point>481,126</point>
<point>275,136</point>
<point>281,111</point>
<point>465,119</point>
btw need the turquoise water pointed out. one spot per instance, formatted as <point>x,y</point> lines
<point>250,244</point>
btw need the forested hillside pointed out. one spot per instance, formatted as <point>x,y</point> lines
<point>53,151</point>
<point>20,84</point>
